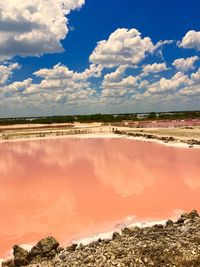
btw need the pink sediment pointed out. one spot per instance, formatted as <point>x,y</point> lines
<point>71,188</point>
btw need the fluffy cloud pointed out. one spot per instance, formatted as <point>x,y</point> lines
<point>81,95</point>
<point>128,82</point>
<point>191,40</point>
<point>57,72</point>
<point>196,76</point>
<point>116,75</point>
<point>115,86</point>
<point>125,81</point>
<point>58,83</point>
<point>61,98</point>
<point>63,86</point>
<point>185,64</point>
<point>66,86</point>
<point>193,90</point>
<point>33,27</point>
<point>169,85</point>
<point>107,94</point>
<point>17,87</point>
<point>154,68</point>
<point>178,85</point>
<point>122,47</point>
<point>6,72</point>
<point>62,72</point>
<point>75,97</point>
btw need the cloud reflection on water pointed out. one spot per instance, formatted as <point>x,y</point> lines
<point>65,187</point>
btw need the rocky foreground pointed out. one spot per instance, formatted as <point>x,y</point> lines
<point>174,244</point>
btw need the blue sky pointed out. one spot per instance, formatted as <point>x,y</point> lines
<point>79,57</point>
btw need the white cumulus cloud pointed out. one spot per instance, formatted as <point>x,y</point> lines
<point>116,75</point>
<point>154,68</point>
<point>63,73</point>
<point>6,71</point>
<point>169,85</point>
<point>34,27</point>
<point>20,86</point>
<point>193,90</point>
<point>185,64</point>
<point>191,40</point>
<point>196,76</point>
<point>122,47</point>
<point>115,86</point>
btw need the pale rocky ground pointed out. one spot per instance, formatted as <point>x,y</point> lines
<point>189,137</point>
<point>184,133</point>
<point>91,129</point>
<point>175,244</point>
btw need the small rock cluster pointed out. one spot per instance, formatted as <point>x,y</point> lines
<point>45,249</point>
<point>191,142</point>
<point>175,244</point>
<point>165,139</point>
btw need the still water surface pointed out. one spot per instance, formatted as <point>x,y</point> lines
<point>72,188</point>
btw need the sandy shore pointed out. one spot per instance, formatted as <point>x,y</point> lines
<point>176,143</point>
<point>183,137</point>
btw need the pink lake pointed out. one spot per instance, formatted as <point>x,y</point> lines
<point>71,188</point>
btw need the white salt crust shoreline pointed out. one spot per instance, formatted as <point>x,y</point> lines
<point>108,235</point>
<point>177,144</point>
<point>130,221</point>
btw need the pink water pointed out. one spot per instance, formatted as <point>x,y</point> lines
<point>71,188</point>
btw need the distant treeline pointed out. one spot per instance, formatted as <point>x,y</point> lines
<point>174,115</point>
<point>105,118</point>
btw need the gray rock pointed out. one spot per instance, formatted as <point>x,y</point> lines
<point>47,244</point>
<point>46,247</point>
<point>190,215</point>
<point>115,235</point>
<point>20,255</point>
<point>169,223</point>
<point>72,248</point>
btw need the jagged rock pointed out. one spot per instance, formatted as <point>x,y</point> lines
<point>187,216</point>
<point>45,248</point>
<point>47,244</point>
<point>20,256</point>
<point>115,235</point>
<point>180,221</point>
<point>169,223</point>
<point>158,226</point>
<point>127,231</point>
<point>59,249</point>
<point>72,248</point>
<point>190,215</point>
